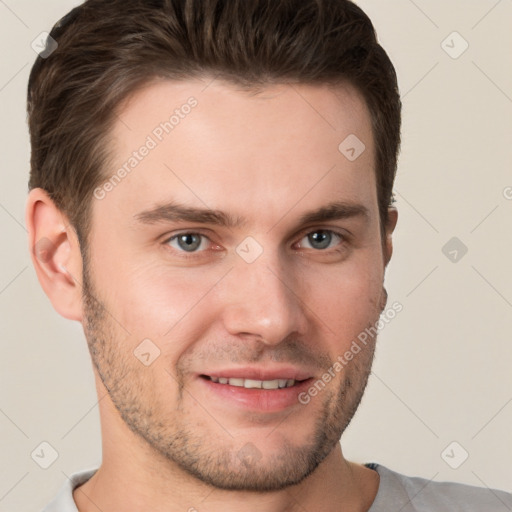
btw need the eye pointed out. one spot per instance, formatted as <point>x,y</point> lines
<point>188,242</point>
<point>192,243</point>
<point>321,239</point>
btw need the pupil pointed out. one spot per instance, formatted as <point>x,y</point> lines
<point>189,242</point>
<point>321,238</point>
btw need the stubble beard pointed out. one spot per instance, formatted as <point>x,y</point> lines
<point>196,448</point>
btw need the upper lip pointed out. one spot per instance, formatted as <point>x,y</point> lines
<point>258,373</point>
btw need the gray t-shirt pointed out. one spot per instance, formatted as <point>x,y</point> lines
<point>396,493</point>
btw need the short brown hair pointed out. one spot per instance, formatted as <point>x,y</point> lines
<point>107,49</point>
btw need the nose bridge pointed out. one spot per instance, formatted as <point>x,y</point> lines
<point>260,299</point>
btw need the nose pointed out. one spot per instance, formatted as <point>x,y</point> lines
<point>263,300</point>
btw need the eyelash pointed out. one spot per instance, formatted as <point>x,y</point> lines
<point>190,256</point>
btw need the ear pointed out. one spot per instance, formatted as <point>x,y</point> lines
<point>55,254</point>
<point>390,227</point>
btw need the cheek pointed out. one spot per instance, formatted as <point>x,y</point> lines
<point>161,303</point>
<point>346,300</point>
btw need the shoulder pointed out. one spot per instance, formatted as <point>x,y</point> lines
<point>63,501</point>
<point>417,494</point>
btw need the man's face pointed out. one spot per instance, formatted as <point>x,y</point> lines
<point>270,298</point>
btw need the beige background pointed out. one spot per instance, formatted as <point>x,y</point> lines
<point>442,370</point>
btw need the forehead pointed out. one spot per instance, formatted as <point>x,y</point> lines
<point>208,143</point>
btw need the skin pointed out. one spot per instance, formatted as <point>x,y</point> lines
<point>169,443</point>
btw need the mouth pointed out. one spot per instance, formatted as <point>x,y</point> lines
<point>254,390</point>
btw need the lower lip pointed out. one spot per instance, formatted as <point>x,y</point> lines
<point>256,399</point>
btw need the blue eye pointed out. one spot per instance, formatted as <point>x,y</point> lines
<point>321,239</point>
<point>187,242</point>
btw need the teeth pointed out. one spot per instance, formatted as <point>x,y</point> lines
<point>255,384</point>
<point>249,383</point>
<point>270,384</point>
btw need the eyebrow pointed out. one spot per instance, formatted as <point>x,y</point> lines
<point>175,212</point>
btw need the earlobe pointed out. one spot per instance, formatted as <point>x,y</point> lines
<point>55,254</point>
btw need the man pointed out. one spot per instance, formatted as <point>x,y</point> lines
<point>211,188</point>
